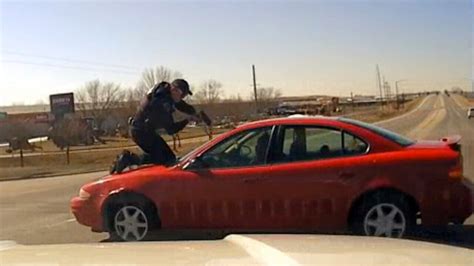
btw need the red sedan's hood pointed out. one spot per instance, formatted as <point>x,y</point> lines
<point>144,170</point>
<point>137,176</point>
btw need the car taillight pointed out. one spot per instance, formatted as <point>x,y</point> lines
<point>456,172</point>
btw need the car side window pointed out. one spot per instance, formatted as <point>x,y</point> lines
<point>354,145</point>
<point>302,143</point>
<point>324,142</point>
<point>247,148</point>
<point>288,135</point>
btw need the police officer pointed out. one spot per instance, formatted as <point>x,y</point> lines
<point>154,113</point>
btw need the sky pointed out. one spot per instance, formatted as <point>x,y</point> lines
<point>299,47</point>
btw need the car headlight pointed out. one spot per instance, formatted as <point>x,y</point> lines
<point>84,194</point>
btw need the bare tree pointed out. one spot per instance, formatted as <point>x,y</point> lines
<point>131,100</point>
<point>70,131</point>
<point>266,97</point>
<point>234,98</point>
<point>98,100</point>
<point>456,89</point>
<point>268,94</point>
<point>152,76</point>
<point>210,92</point>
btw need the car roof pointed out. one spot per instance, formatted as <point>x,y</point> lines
<point>289,120</point>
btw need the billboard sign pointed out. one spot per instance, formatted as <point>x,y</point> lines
<point>61,104</point>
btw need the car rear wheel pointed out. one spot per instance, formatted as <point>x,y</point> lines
<point>384,215</point>
<point>131,223</point>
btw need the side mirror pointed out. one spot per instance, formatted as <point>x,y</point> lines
<point>197,163</point>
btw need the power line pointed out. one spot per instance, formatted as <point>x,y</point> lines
<point>71,60</point>
<point>67,67</point>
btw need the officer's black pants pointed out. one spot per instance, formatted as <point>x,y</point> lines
<point>156,149</point>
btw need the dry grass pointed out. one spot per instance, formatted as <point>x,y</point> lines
<point>113,142</point>
<point>55,164</point>
<point>387,112</point>
<point>463,101</point>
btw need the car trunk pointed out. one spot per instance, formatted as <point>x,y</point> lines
<point>450,143</point>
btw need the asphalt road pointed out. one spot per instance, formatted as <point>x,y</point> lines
<point>437,117</point>
<point>36,211</point>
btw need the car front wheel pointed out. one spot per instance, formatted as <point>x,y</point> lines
<point>131,223</point>
<point>382,215</point>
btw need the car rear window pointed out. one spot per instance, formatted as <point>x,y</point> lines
<point>401,140</point>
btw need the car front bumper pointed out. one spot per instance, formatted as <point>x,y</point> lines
<point>87,213</point>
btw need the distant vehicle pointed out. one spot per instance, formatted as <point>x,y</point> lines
<point>281,111</point>
<point>470,112</point>
<point>16,144</point>
<point>304,173</point>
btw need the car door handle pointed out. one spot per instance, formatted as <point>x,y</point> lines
<point>346,175</point>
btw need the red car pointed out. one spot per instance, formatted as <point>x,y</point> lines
<point>298,173</point>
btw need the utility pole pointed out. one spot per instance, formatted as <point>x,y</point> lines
<point>255,89</point>
<point>352,101</point>
<point>396,93</point>
<point>379,85</point>
<point>386,90</point>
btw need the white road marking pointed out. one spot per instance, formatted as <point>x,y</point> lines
<point>406,114</point>
<point>265,254</point>
<point>62,222</point>
<point>455,99</point>
<point>7,244</point>
<point>457,109</point>
<point>431,121</point>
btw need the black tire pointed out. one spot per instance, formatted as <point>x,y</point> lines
<point>368,209</point>
<point>150,218</point>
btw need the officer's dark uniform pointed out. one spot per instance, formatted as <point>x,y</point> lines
<point>156,112</point>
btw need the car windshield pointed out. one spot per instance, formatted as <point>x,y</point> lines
<point>190,153</point>
<point>403,141</point>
